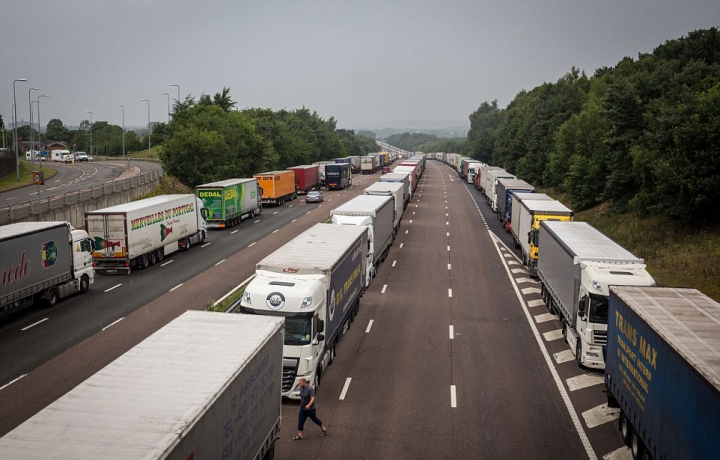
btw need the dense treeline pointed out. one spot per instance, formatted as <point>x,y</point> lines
<point>423,142</point>
<point>207,140</point>
<point>643,135</point>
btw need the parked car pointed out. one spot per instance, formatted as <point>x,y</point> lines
<point>68,158</point>
<point>81,156</point>
<point>314,197</point>
<point>385,169</point>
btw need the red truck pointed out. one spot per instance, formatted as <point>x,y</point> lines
<point>307,178</point>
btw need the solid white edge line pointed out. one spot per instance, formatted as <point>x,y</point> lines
<point>345,388</point>
<point>220,262</point>
<point>34,324</point>
<point>276,230</point>
<point>234,232</point>
<point>113,323</point>
<point>114,287</point>
<point>370,323</point>
<point>168,262</point>
<point>235,288</point>
<point>449,292</point>
<point>11,382</point>
<point>394,262</point>
<point>452,332</point>
<point>251,244</point>
<point>453,396</point>
<point>383,289</point>
<point>175,287</point>
<point>206,244</point>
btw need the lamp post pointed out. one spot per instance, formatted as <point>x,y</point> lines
<point>32,136</point>
<point>91,139</point>
<point>168,98</point>
<point>123,127</point>
<point>178,90</point>
<point>17,159</point>
<point>149,127</point>
<point>39,127</point>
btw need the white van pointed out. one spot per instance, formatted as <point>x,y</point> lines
<point>57,155</point>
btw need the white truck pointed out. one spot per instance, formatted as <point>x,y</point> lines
<point>490,185</point>
<point>515,201</point>
<point>141,233</point>
<point>315,282</point>
<point>473,168</point>
<point>396,190</point>
<point>42,261</point>
<point>206,385</point>
<point>406,179</point>
<point>377,213</point>
<point>577,266</point>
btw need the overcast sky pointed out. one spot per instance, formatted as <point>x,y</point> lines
<point>362,62</point>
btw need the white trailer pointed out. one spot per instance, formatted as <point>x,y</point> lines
<point>206,385</point>
<point>577,266</point>
<point>518,198</point>
<point>490,186</point>
<point>394,189</point>
<point>405,178</point>
<point>377,213</point>
<point>140,233</point>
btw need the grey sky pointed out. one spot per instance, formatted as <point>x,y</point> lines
<point>360,61</point>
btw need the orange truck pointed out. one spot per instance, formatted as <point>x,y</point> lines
<point>277,186</point>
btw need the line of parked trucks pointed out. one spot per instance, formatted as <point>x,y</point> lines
<point>659,348</point>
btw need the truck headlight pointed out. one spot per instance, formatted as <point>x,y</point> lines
<point>597,285</point>
<point>246,298</point>
<point>307,301</point>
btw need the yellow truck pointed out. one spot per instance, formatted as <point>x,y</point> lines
<point>386,158</point>
<point>277,186</point>
<point>525,231</point>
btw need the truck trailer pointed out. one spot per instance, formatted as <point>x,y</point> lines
<point>663,371</point>
<point>315,282</point>
<point>42,261</point>
<point>141,233</point>
<point>525,229</point>
<point>277,187</point>
<point>405,179</point>
<point>307,178</point>
<point>369,164</point>
<point>377,213</point>
<point>206,385</point>
<point>338,176</point>
<point>394,190</point>
<point>230,201</point>
<point>490,186</point>
<point>577,266</point>
<point>504,187</point>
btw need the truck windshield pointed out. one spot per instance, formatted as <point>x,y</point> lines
<point>598,309</point>
<point>299,330</point>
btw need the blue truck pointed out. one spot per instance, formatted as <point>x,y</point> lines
<point>338,176</point>
<point>663,371</point>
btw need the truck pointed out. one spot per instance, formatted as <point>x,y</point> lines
<point>230,201</point>
<point>205,385</point>
<point>307,178</point>
<point>277,187</point>
<point>42,262</point>
<point>321,170</point>
<point>532,213</point>
<point>338,176</point>
<point>577,265</point>
<point>515,200</point>
<point>315,282</point>
<point>405,179</point>
<point>354,163</point>
<point>472,171</point>
<point>482,176</point>
<point>394,190</point>
<point>505,185</point>
<point>377,213</point>
<point>663,373</point>
<point>490,185</point>
<point>369,164</point>
<point>141,233</point>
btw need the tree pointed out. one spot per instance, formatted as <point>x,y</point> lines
<point>367,133</point>
<point>56,131</point>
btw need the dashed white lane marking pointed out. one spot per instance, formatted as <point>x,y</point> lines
<point>293,221</point>
<point>584,381</point>
<point>448,234</point>
<point>600,415</point>
<point>545,317</point>
<point>448,248</point>
<point>513,262</point>
<point>256,221</point>
<point>55,182</point>
<point>622,453</point>
<point>205,245</point>
<point>449,267</point>
<point>175,287</point>
<point>449,292</point>
<point>34,324</point>
<point>446,214</point>
<point>370,323</point>
<point>220,262</point>
<point>114,287</point>
<point>307,212</point>
<point>394,262</point>
<point>530,290</point>
<point>452,332</point>
<point>345,388</point>
<point>168,262</point>
<point>252,244</point>
<point>413,213</point>
<point>410,221</point>
<point>401,245</point>
<point>113,323</point>
<point>453,396</point>
<point>564,356</point>
<point>508,255</point>
<point>553,335</point>
<point>234,232</point>
<point>447,223</point>
<point>526,280</point>
<point>535,303</point>
<point>276,230</point>
<point>406,231</point>
<point>11,382</point>
<point>319,206</point>
<point>275,212</point>
<point>518,270</point>
<point>383,289</point>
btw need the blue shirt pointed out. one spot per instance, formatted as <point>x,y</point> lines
<point>306,395</point>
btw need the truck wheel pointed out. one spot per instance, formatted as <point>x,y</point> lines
<point>316,379</point>
<point>144,261</point>
<point>625,429</point>
<point>51,297</point>
<point>84,284</point>
<point>636,446</point>
<point>332,354</point>
<point>153,258</point>
<point>578,354</point>
<point>160,255</point>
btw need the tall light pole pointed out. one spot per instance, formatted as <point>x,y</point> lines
<point>149,127</point>
<point>39,127</point>
<point>123,126</point>
<point>32,136</point>
<point>17,159</point>
<point>168,97</point>
<point>91,146</point>
<point>178,90</point>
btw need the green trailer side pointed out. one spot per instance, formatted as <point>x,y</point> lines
<point>230,201</point>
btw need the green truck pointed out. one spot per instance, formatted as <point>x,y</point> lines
<point>229,201</point>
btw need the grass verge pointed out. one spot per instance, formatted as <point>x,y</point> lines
<point>10,182</point>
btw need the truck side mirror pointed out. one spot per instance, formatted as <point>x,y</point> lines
<point>581,306</point>
<point>321,326</point>
<point>321,337</point>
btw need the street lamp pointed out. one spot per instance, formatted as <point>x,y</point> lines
<point>178,89</point>
<point>123,126</point>
<point>32,136</point>
<point>39,127</point>
<point>149,127</point>
<point>168,97</point>
<point>17,160</point>
<point>91,114</point>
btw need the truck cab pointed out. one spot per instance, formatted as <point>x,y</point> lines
<point>82,259</point>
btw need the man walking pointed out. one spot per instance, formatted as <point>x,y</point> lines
<point>307,409</point>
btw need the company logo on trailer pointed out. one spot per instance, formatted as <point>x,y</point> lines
<point>49,254</point>
<point>275,301</point>
<point>15,272</point>
<point>332,304</point>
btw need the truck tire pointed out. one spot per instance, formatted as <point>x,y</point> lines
<point>578,354</point>
<point>625,429</point>
<point>331,357</point>
<point>144,261</point>
<point>160,255</point>
<point>84,284</point>
<point>51,297</point>
<point>636,446</point>
<point>153,257</point>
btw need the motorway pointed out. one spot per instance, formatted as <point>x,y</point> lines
<point>452,354</point>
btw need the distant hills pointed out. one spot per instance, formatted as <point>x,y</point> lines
<point>443,129</point>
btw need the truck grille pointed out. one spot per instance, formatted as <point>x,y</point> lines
<point>600,338</point>
<point>288,378</point>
